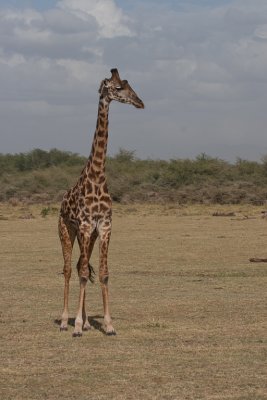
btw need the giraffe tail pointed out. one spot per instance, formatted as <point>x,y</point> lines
<point>91,273</point>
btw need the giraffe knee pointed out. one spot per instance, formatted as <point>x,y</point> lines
<point>104,279</point>
<point>67,272</point>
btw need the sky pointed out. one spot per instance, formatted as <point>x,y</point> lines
<point>200,67</point>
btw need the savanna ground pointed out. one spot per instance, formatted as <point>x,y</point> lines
<point>188,306</point>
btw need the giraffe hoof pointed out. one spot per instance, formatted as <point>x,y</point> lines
<point>77,334</point>
<point>63,328</point>
<point>87,328</point>
<point>112,333</point>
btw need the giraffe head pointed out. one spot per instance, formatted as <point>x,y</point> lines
<point>116,89</point>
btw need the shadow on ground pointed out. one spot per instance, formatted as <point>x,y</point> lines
<point>93,320</point>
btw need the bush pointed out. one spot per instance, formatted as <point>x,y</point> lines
<point>40,175</point>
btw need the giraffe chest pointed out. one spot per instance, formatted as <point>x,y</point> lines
<point>80,205</point>
<point>96,206</point>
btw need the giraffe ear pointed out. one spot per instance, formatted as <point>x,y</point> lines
<point>103,86</point>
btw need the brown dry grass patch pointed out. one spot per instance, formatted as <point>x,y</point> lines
<point>188,307</point>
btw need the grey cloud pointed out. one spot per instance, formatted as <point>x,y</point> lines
<point>62,22</point>
<point>53,34</point>
<point>200,71</point>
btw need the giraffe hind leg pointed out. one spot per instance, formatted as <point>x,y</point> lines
<point>85,272</point>
<point>86,323</point>
<point>91,277</point>
<point>67,238</point>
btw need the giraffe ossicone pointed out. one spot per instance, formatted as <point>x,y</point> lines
<point>86,209</point>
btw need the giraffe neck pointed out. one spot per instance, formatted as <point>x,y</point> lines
<point>96,163</point>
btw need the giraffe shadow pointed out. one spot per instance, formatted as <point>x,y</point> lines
<point>93,320</point>
<point>96,324</point>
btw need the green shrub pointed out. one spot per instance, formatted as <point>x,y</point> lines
<point>44,175</point>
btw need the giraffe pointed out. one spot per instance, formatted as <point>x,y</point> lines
<point>86,210</point>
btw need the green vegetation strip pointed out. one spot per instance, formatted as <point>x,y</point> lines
<point>40,176</point>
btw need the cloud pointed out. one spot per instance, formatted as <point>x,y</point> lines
<point>201,72</point>
<point>56,53</point>
<point>109,17</point>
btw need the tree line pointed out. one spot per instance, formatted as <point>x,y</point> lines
<point>44,175</point>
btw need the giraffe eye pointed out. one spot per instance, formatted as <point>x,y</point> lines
<point>118,87</point>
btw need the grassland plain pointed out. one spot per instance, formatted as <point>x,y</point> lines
<point>188,306</point>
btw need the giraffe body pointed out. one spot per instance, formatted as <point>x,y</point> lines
<point>86,209</point>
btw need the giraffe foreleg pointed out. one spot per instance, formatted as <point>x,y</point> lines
<point>86,324</point>
<point>104,238</point>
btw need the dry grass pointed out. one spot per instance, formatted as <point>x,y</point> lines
<point>189,308</point>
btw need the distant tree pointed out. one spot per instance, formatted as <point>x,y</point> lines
<point>125,155</point>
